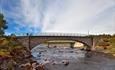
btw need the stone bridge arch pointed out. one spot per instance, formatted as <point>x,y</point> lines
<point>33,41</point>
<point>34,44</point>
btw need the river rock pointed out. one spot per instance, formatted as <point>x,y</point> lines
<point>65,62</point>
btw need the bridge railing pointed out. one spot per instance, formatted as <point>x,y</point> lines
<point>60,34</point>
<point>52,34</point>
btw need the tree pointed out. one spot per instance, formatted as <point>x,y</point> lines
<point>3,25</point>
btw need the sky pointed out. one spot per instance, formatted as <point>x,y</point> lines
<point>60,16</point>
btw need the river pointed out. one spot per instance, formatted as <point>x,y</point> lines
<point>55,59</point>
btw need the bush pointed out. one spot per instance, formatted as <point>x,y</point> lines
<point>4,54</point>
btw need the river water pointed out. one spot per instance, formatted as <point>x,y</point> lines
<point>54,58</point>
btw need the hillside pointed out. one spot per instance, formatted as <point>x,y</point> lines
<point>107,44</point>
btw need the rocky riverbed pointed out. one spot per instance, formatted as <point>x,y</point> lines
<point>97,62</point>
<point>73,59</point>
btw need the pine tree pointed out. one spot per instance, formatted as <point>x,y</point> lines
<point>3,25</point>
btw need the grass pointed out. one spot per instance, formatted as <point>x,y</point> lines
<point>112,49</point>
<point>112,41</point>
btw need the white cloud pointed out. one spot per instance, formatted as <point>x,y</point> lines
<point>78,16</point>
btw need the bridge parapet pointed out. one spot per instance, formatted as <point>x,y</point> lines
<point>61,34</point>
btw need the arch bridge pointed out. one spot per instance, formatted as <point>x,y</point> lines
<point>32,41</point>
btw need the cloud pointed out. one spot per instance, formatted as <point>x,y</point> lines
<point>73,16</point>
<point>78,16</point>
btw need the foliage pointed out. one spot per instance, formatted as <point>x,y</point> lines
<point>104,43</point>
<point>6,43</point>
<point>112,41</point>
<point>4,53</point>
<point>11,51</point>
<point>3,25</point>
<point>107,43</point>
<point>12,46</point>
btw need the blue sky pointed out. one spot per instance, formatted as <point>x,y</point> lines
<point>64,16</point>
